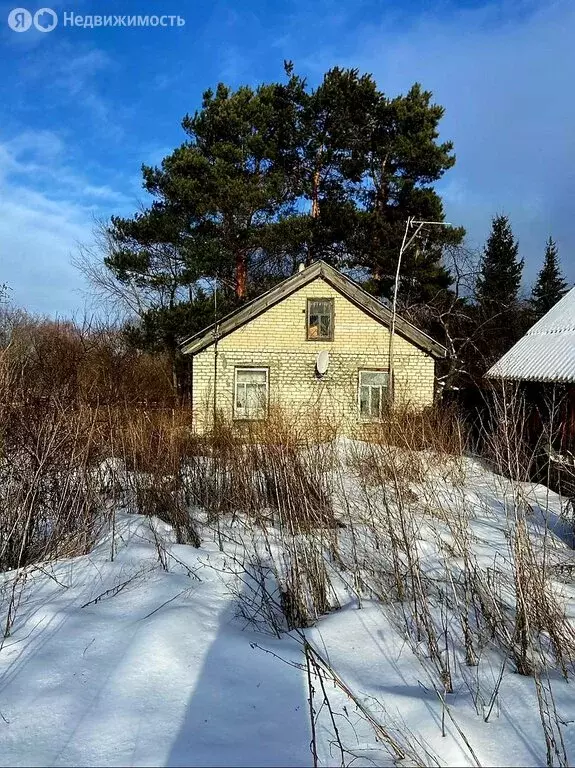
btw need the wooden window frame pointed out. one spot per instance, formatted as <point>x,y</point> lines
<point>266,370</point>
<point>364,419</point>
<point>331,302</point>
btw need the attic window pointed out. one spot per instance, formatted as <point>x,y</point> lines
<point>320,319</point>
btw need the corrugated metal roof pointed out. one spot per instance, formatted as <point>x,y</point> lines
<point>547,351</point>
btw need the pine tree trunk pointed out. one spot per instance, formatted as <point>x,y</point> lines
<point>315,195</point>
<point>241,275</point>
<point>314,209</point>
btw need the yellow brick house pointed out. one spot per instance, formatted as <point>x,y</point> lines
<point>315,343</point>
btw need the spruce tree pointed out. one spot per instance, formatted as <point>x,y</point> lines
<point>498,284</point>
<point>500,313</point>
<point>550,285</point>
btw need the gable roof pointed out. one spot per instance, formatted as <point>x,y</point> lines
<point>547,351</point>
<point>347,287</point>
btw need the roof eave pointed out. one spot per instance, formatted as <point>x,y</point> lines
<point>347,287</point>
<point>533,379</point>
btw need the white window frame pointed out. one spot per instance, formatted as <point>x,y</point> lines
<point>252,369</point>
<point>383,398</point>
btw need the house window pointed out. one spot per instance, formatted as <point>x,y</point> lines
<point>320,319</point>
<point>372,395</point>
<point>251,393</point>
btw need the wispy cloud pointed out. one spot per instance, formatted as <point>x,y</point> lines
<point>74,77</point>
<point>47,208</point>
<point>38,236</point>
<point>37,157</point>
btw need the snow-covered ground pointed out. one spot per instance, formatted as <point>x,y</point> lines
<point>147,658</point>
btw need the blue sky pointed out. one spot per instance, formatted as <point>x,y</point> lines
<point>81,109</point>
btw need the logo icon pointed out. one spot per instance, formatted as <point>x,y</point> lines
<point>20,20</point>
<point>45,20</point>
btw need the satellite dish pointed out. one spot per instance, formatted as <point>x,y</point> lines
<point>322,362</point>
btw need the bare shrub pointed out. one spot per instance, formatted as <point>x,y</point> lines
<point>304,590</point>
<point>71,397</point>
<point>153,446</point>
<point>440,429</point>
<point>271,471</point>
<point>47,490</point>
<point>86,363</point>
<point>540,621</point>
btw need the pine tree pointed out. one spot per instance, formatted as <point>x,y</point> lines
<point>550,285</point>
<point>404,159</point>
<point>279,174</point>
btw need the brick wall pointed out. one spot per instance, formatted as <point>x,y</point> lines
<point>277,340</point>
